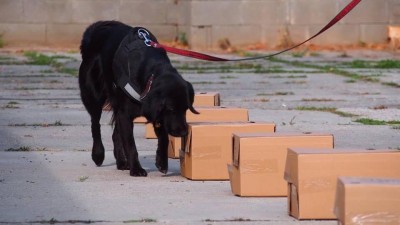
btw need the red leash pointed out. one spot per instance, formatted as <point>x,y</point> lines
<point>197,55</point>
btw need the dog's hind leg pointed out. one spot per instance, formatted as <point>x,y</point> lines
<point>98,148</point>
<point>93,100</point>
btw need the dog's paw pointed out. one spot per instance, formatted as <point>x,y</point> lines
<point>162,165</point>
<point>98,158</point>
<point>98,153</point>
<point>122,165</point>
<point>140,172</point>
<point>163,170</point>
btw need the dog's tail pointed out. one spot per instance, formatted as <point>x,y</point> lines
<point>86,40</point>
<point>93,37</point>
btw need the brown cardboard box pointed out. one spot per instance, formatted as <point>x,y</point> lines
<point>209,114</point>
<point>367,201</point>
<point>259,159</point>
<point>312,176</point>
<point>201,99</point>
<point>208,148</point>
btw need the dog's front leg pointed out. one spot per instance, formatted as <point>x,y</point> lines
<point>119,152</point>
<point>162,149</point>
<point>125,130</point>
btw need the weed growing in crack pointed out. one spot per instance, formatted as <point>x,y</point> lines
<point>83,178</point>
<point>57,123</point>
<point>11,105</point>
<point>367,121</point>
<point>227,77</point>
<point>317,100</point>
<point>27,149</point>
<point>382,64</point>
<point>325,109</point>
<point>391,84</point>
<point>145,220</point>
<point>36,58</point>
<point>279,93</point>
<point>20,149</point>
<point>328,69</point>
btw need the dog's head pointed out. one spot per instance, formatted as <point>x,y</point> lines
<point>167,102</point>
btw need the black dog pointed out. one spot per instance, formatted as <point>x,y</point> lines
<point>118,68</point>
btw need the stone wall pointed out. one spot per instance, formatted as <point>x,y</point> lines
<point>204,22</point>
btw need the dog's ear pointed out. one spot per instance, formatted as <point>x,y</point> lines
<point>191,98</point>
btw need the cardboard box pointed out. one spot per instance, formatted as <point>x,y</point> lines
<point>367,201</point>
<point>209,114</point>
<point>201,99</point>
<point>312,176</point>
<point>259,160</point>
<point>208,148</point>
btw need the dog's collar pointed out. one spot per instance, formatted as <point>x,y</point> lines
<point>148,87</point>
<point>128,87</point>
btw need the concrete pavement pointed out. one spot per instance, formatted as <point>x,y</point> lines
<point>46,172</point>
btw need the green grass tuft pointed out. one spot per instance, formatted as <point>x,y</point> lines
<point>57,123</point>
<point>391,84</point>
<point>325,109</point>
<point>382,64</point>
<point>83,178</point>
<point>1,41</point>
<point>38,58</point>
<point>145,220</point>
<point>367,121</point>
<point>20,149</point>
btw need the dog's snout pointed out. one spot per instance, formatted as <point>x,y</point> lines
<point>179,131</point>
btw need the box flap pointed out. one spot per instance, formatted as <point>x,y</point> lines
<point>171,142</point>
<point>234,178</point>
<point>171,146</point>
<point>338,209</point>
<point>187,141</point>
<point>291,166</point>
<point>293,201</point>
<point>236,150</point>
<point>217,99</point>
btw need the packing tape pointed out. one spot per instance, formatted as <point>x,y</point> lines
<point>318,184</point>
<point>259,166</point>
<point>210,152</point>
<point>376,218</point>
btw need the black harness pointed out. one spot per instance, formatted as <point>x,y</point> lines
<point>122,66</point>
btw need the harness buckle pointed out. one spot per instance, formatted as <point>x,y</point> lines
<point>144,34</point>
